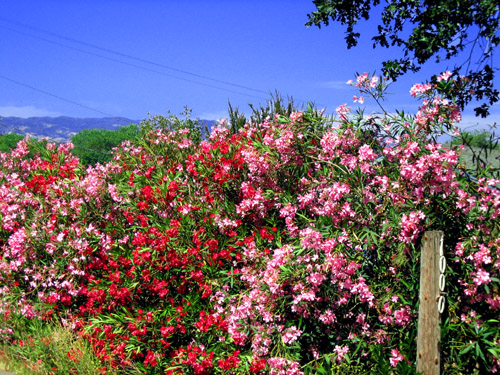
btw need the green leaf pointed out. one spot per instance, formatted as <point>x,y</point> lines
<point>479,352</point>
<point>467,349</point>
<point>283,268</point>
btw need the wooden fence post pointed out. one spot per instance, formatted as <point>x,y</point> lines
<point>429,331</point>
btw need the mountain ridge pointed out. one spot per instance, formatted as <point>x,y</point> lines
<point>60,128</point>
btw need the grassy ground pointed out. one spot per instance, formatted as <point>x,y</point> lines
<point>49,349</point>
<point>492,158</point>
<point>4,368</point>
<point>469,159</point>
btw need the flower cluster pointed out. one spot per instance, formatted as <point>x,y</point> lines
<point>280,248</point>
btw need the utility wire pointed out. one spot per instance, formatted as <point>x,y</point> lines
<point>127,63</point>
<point>118,53</point>
<point>137,59</point>
<point>55,96</point>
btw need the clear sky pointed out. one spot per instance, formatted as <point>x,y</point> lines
<point>130,58</point>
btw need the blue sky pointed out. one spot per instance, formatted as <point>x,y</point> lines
<point>130,58</point>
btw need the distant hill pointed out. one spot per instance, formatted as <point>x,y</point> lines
<point>62,128</point>
<point>59,128</point>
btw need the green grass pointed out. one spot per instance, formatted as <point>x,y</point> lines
<point>472,156</point>
<point>467,157</point>
<point>50,350</point>
<point>4,361</point>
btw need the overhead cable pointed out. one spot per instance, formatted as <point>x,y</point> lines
<point>56,96</point>
<point>127,63</point>
<point>118,53</point>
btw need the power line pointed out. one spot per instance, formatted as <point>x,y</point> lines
<point>118,53</point>
<point>121,62</point>
<point>55,96</point>
<point>127,63</point>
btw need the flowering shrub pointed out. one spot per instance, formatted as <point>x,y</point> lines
<point>289,246</point>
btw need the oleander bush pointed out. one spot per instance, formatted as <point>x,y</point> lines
<point>284,246</point>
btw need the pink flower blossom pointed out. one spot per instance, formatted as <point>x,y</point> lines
<point>402,316</point>
<point>358,99</point>
<point>482,277</point>
<point>444,76</point>
<point>396,357</point>
<point>291,335</point>
<point>366,153</point>
<point>410,228</point>
<point>341,352</point>
<point>283,366</point>
<point>316,278</point>
<point>342,111</point>
<point>311,238</point>
<point>420,89</point>
<point>328,317</point>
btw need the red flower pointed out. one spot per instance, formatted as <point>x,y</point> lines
<point>230,362</point>
<point>173,186</point>
<point>257,365</point>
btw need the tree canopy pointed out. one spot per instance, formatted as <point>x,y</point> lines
<point>94,146</point>
<point>424,29</point>
<point>9,141</point>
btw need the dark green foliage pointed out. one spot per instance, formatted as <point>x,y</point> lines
<point>94,146</point>
<point>276,105</point>
<point>9,141</point>
<point>424,29</point>
<point>236,119</point>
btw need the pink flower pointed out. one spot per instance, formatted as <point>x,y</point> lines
<point>444,76</point>
<point>341,352</point>
<point>363,80</point>
<point>296,116</point>
<point>482,277</point>
<point>328,317</point>
<point>16,250</point>
<point>316,278</point>
<point>402,316</point>
<point>365,295</point>
<point>483,256</point>
<point>311,238</point>
<point>291,335</point>
<point>456,115</point>
<point>358,99</point>
<point>342,111</point>
<point>410,227</point>
<point>283,366</point>
<point>366,153</point>
<point>420,89</point>
<point>396,357</point>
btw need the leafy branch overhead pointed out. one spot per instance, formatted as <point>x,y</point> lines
<point>443,29</point>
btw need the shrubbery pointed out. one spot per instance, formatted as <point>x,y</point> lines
<point>94,146</point>
<point>286,246</point>
<point>9,141</point>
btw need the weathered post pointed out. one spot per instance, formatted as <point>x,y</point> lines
<point>429,333</point>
